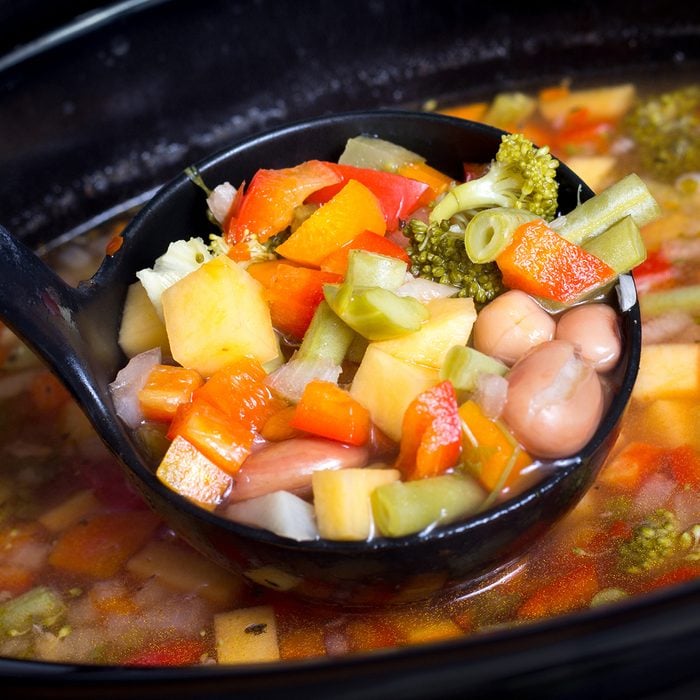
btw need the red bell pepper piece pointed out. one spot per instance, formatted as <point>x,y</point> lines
<point>431,434</point>
<point>541,262</point>
<point>398,196</point>
<point>655,271</point>
<point>328,411</point>
<point>268,205</point>
<point>684,462</point>
<point>337,261</point>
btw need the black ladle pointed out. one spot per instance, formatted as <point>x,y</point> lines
<point>75,331</point>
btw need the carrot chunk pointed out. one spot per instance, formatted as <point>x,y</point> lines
<point>167,387</point>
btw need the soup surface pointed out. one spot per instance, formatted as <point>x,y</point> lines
<point>88,574</point>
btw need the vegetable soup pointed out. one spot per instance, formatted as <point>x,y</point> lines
<point>88,574</point>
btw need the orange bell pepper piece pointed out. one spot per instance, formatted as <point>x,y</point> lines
<point>350,212</point>
<point>337,261</point>
<point>431,434</point>
<point>328,411</point>
<point>268,205</point>
<point>436,181</point>
<point>540,262</point>
<point>292,292</point>
<point>166,387</point>
<point>488,446</point>
<point>398,195</point>
<point>279,426</point>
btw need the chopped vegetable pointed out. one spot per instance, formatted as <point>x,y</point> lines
<point>372,152</point>
<point>337,262</point>
<point>39,606</point>
<point>246,635</point>
<point>165,389</point>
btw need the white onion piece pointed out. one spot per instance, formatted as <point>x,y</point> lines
<point>686,506</point>
<point>280,512</point>
<point>127,384</point>
<point>654,493</point>
<point>424,290</point>
<point>220,200</point>
<point>491,394</point>
<point>290,380</point>
<point>626,292</point>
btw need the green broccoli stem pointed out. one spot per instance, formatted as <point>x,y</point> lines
<point>628,197</point>
<point>327,337</point>
<point>405,507</point>
<point>621,246</point>
<point>490,231</point>
<point>38,606</point>
<point>464,365</point>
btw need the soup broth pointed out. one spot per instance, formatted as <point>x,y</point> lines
<point>89,575</point>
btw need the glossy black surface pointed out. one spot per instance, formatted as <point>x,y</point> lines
<point>111,111</point>
<point>77,331</point>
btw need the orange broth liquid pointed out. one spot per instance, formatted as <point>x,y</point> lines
<point>126,590</point>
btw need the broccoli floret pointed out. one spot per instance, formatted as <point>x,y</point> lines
<point>666,132</point>
<point>437,253</point>
<point>651,543</point>
<point>521,177</point>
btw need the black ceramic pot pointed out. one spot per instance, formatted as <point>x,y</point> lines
<point>98,116</point>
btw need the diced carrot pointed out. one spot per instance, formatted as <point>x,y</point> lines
<point>185,470</point>
<point>681,574</point>
<point>16,579</point>
<point>223,441</point>
<point>564,593</point>
<point>268,205</point>
<point>328,411</point>
<point>431,433</point>
<point>240,393</point>
<point>47,393</point>
<point>541,262</point>
<point>166,387</point>
<point>627,470</point>
<point>490,449</point>
<point>279,427</point>
<point>474,111</point>
<point>353,210</point>
<point>115,601</point>
<point>555,92</point>
<point>337,261</point>
<point>177,652</point>
<point>265,272</point>
<point>100,545</point>
<point>303,642</point>
<point>367,632</point>
<point>436,181</point>
<point>114,244</point>
<point>685,465</point>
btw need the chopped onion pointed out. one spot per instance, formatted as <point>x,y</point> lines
<point>626,292</point>
<point>291,379</point>
<point>424,290</point>
<point>220,200</point>
<point>129,381</point>
<point>491,393</point>
<point>654,493</point>
<point>280,512</point>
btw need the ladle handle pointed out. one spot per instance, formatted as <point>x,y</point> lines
<point>41,309</point>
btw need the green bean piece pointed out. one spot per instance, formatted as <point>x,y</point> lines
<point>490,231</point>
<point>367,269</point>
<point>621,246</point>
<point>679,299</point>
<point>327,337</point>
<point>464,365</point>
<point>405,507</point>
<point>628,197</point>
<point>376,313</point>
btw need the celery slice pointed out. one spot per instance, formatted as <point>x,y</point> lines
<point>621,246</point>
<point>38,606</point>
<point>378,154</point>
<point>405,507</point>
<point>367,269</point>
<point>628,197</point>
<point>327,337</point>
<point>464,365</point>
<point>490,231</point>
<point>376,313</point>
<point>685,299</point>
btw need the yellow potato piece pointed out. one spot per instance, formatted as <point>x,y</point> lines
<point>247,635</point>
<point>667,371</point>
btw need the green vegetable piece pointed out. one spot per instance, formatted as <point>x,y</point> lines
<point>367,269</point>
<point>509,108</point>
<point>327,337</point>
<point>685,299</point>
<point>406,507</point>
<point>39,606</point>
<point>375,313</point>
<point>521,177</point>
<point>621,246</point>
<point>652,543</point>
<point>627,197</point>
<point>490,232</point>
<point>377,154</point>
<point>463,366</point>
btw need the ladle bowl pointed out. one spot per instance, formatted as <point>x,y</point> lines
<point>75,330</point>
